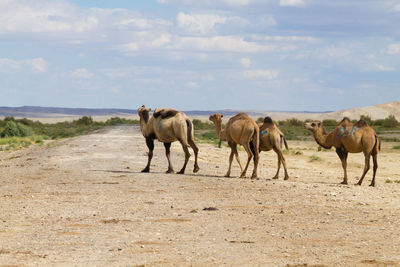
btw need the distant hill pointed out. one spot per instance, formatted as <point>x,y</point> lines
<point>380,111</point>
<point>38,112</point>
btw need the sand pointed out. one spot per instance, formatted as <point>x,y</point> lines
<point>82,201</point>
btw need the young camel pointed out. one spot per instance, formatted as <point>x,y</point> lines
<point>217,120</point>
<point>271,138</point>
<point>242,130</point>
<point>167,126</point>
<point>348,137</point>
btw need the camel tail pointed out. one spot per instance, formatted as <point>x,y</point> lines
<point>190,134</point>
<point>256,140</point>
<point>283,138</point>
<point>377,143</point>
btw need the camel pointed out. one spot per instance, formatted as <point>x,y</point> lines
<point>349,138</point>
<point>242,130</point>
<point>271,138</point>
<point>217,120</point>
<point>167,126</point>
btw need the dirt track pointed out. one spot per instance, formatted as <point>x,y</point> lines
<point>82,201</point>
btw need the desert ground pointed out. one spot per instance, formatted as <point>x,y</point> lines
<point>83,202</point>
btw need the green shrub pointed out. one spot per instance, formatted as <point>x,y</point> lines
<point>315,158</point>
<point>85,120</point>
<point>330,123</point>
<point>12,128</point>
<point>200,125</point>
<point>390,122</point>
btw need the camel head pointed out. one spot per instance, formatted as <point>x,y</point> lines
<point>144,112</point>
<point>313,126</point>
<point>216,118</point>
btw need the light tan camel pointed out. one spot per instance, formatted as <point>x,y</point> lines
<point>217,120</point>
<point>271,138</point>
<point>242,130</point>
<point>348,137</point>
<point>167,126</point>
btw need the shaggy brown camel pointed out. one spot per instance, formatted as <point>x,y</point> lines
<point>167,126</point>
<point>348,137</point>
<point>271,138</point>
<point>217,120</point>
<point>242,130</point>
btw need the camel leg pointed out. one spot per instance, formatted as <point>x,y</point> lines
<point>238,158</point>
<point>196,152</point>
<point>366,167</point>
<point>249,156</point>
<point>343,157</point>
<point>233,148</point>
<point>375,160</point>
<point>150,145</point>
<point>279,163</point>
<point>187,156</point>
<point>168,154</point>
<point>256,159</point>
<point>281,159</point>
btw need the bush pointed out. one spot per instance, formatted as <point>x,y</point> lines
<point>330,123</point>
<point>85,120</point>
<point>200,125</point>
<point>18,129</point>
<point>291,122</point>
<point>390,122</point>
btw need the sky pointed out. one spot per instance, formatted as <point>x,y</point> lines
<point>288,55</point>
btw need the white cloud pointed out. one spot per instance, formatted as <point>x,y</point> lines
<point>36,65</point>
<point>260,74</point>
<point>7,64</point>
<point>377,67</point>
<point>207,2</point>
<point>82,74</point>
<point>297,3</point>
<point>246,62</point>
<point>201,23</point>
<point>268,21</point>
<point>44,16</point>
<point>222,43</point>
<point>393,49</point>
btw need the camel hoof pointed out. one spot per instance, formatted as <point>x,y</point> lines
<point>275,177</point>
<point>146,170</point>
<point>181,172</point>
<point>170,171</point>
<point>196,169</point>
<point>243,176</point>
<point>344,182</point>
<point>372,184</point>
<point>227,175</point>
<point>254,177</point>
<point>357,184</point>
<point>286,178</point>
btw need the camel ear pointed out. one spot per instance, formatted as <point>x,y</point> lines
<point>149,109</point>
<point>319,124</point>
<point>222,116</point>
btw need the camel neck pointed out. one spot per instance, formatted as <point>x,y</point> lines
<point>143,123</point>
<point>323,139</point>
<point>218,128</point>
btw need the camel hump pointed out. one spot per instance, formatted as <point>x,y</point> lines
<point>361,123</point>
<point>268,120</point>
<point>165,113</point>
<point>345,121</point>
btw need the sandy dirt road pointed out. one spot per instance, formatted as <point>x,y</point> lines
<point>83,202</point>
